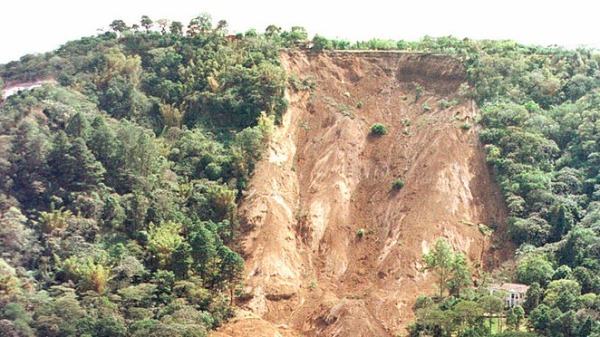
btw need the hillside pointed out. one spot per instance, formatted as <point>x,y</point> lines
<point>171,182</point>
<point>325,178</point>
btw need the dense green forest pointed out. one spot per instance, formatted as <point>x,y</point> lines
<point>540,114</point>
<point>120,182</point>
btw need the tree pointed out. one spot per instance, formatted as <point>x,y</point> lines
<point>221,27</point>
<point>104,145</point>
<point>535,229</point>
<point>201,24</point>
<point>562,272</point>
<point>163,24</point>
<point>546,321</point>
<point>296,37</point>
<point>534,269</point>
<point>164,240</point>
<point>378,129</point>
<point>514,317</point>
<point>73,165</point>
<point>436,322</point>
<point>9,282</point>
<point>461,277</point>
<point>146,22</point>
<point>61,164</point>
<point>56,317</point>
<point>230,269</point>
<point>448,267</point>
<point>110,327</point>
<point>94,276</point>
<point>78,126</point>
<point>577,246</point>
<point>118,26</point>
<point>204,250</point>
<point>18,242</point>
<point>589,281</point>
<point>176,28</point>
<point>272,31</point>
<point>563,294</point>
<point>181,260</point>
<point>320,43</point>
<point>468,312</point>
<point>533,297</point>
<point>88,173</point>
<point>29,170</point>
<point>1,90</point>
<point>21,320</point>
<point>118,86</point>
<point>491,305</point>
<point>585,329</point>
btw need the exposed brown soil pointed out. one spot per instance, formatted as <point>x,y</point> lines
<point>325,179</point>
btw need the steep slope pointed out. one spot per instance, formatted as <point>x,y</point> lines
<point>325,180</point>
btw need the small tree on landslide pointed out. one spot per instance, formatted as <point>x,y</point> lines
<point>449,267</point>
<point>378,129</point>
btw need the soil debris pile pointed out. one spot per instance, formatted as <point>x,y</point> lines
<point>336,241</point>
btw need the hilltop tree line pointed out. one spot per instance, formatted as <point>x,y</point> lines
<point>118,210</point>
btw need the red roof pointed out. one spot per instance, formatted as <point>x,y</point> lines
<point>512,287</point>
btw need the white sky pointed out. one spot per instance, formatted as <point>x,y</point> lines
<point>31,26</point>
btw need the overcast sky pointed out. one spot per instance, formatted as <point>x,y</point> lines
<point>31,26</point>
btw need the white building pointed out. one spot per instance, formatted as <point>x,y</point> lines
<point>516,293</point>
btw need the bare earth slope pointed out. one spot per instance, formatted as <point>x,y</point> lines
<point>308,272</point>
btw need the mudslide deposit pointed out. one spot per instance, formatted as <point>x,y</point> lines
<point>333,249</point>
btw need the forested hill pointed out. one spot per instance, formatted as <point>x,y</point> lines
<point>119,183</point>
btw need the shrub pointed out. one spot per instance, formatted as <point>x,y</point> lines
<point>360,232</point>
<point>423,302</point>
<point>397,184</point>
<point>213,171</point>
<point>378,129</point>
<point>465,126</point>
<point>444,103</point>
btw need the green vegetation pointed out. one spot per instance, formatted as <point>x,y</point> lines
<point>120,184</point>
<point>540,113</point>
<point>445,104</point>
<point>360,233</point>
<point>449,268</point>
<point>397,184</point>
<point>378,129</point>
